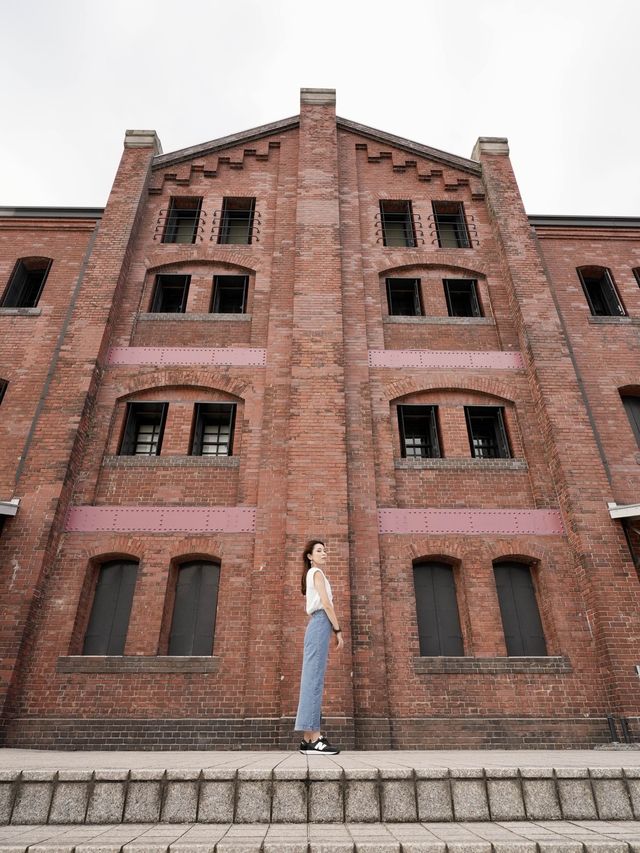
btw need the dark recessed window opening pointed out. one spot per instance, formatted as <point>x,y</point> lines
<point>397,223</point>
<point>26,283</point>
<point>437,610</point>
<point>213,430</point>
<point>451,225</point>
<point>194,611</point>
<point>636,272</point>
<point>462,297</point>
<point>601,292</point>
<point>521,622</point>
<point>236,222</point>
<point>182,220</point>
<point>418,431</point>
<point>487,434</point>
<point>109,620</point>
<point>3,389</point>
<point>170,294</point>
<point>403,296</point>
<point>230,294</point>
<point>143,429</point>
<point>632,407</point>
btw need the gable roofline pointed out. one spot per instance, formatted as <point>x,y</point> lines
<point>175,157</point>
<point>443,157</point>
<point>255,133</point>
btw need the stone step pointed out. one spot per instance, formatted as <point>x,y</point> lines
<point>456,837</point>
<point>294,792</point>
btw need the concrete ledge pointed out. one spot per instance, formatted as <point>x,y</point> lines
<point>158,317</point>
<point>137,663</point>
<point>551,665</point>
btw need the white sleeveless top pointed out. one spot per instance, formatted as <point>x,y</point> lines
<point>313,599</point>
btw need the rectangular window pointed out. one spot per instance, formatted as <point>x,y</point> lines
<point>229,294</point>
<point>418,432</point>
<point>213,430</point>
<point>403,297</point>
<point>236,222</point>
<point>3,389</point>
<point>487,435</point>
<point>26,283</point>
<point>451,226</point>
<point>462,297</point>
<point>523,632</point>
<point>600,291</point>
<point>636,272</point>
<point>437,610</point>
<point>397,223</point>
<point>183,219</point>
<point>143,429</point>
<point>170,294</point>
<point>632,408</point>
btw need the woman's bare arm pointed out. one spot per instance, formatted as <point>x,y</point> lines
<point>321,589</point>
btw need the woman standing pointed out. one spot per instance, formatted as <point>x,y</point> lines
<point>323,621</point>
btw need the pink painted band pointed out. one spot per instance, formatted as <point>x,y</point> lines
<point>492,359</point>
<point>541,522</point>
<point>161,519</point>
<point>233,356</point>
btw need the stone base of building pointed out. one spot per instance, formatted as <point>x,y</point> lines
<point>277,733</point>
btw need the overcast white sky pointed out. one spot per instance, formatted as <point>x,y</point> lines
<point>559,78</point>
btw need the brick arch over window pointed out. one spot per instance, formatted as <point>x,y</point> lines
<point>206,380</point>
<point>400,388</point>
<point>397,262</point>
<point>478,271</point>
<point>176,266</point>
<point>202,254</point>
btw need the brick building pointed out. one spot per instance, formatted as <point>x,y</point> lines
<point>314,328</point>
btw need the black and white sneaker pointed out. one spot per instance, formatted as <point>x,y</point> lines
<point>318,747</point>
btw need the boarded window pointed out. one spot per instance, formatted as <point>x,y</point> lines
<point>194,610</point>
<point>109,620</point>
<point>437,609</point>
<point>523,632</point>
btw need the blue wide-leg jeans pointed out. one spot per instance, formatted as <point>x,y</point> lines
<point>314,665</point>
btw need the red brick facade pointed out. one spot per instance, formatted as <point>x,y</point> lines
<point>317,451</point>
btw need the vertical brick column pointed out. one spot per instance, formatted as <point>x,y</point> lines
<point>604,569</point>
<point>317,453</point>
<point>59,431</point>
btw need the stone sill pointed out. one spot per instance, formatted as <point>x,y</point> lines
<point>548,665</point>
<point>171,461</point>
<point>470,464</point>
<point>440,321</point>
<point>21,312</point>
<point>191,318</point>
<point>614,321</point>
<point>136,663</point>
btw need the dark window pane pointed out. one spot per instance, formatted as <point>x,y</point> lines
<point>487,435</point>
<point>229,294</point>
<point>462,297</point>
<point>144,427</point>
<point>523,632</point>
<point>170,294</point>
<point>636,272</point>
<point>397,223</point>
<point>236,222</point>
<point>183,218</point>
<point>632,408</point>
<point>451,225</point>
<point>600,291</point>
<point>418,431</point>
<point>109,620</point>
<point>213,431</point>
<point>194,611</point>
<point>403,295</point>
<point>3,389</point>
<point>437,609</point>
<point>26,283</point>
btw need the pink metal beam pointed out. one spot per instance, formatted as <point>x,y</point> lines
<point>491,359</point>
<point>541,522</point>
<point>233,356</point>
<point>161,519</point>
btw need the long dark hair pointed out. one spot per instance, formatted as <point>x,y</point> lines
<point>308,548</point>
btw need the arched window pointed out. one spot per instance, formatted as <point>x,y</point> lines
<point>437,609</point>
<point>26,283</point>
<point>601,293</point>
<point>631,403</point>
<point>194,610</point>
<point>521,622</point>
<point>109,620</point>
